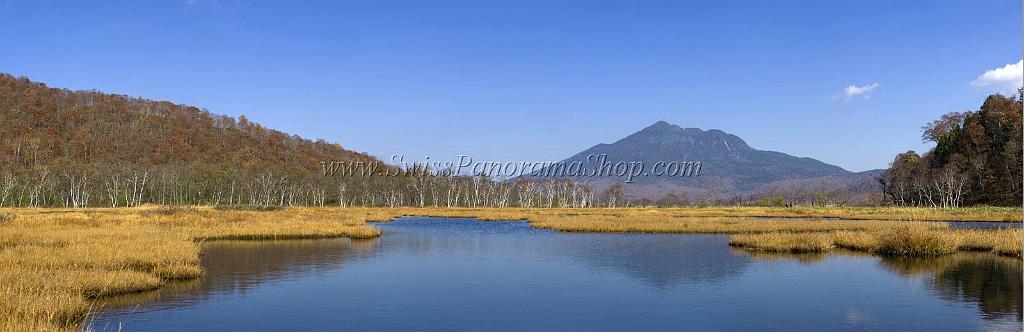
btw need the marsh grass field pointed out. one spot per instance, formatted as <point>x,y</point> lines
<point>900,240</point>
<point>55,263</point>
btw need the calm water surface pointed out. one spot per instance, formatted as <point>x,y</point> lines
<point>462,274</point>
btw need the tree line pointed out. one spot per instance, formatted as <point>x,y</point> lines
<point>62,148</point>
<point>101,186</point>
<point>976,160</point>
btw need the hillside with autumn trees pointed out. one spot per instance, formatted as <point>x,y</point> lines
<point>79,148</point>
<point>976,159</point>
<point>86,148</point>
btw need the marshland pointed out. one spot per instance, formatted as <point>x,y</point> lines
<point>61,266</point>
<point>694,165</point>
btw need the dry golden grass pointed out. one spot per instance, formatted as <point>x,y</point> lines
<point>861,213</point>
<point>1008,214</point>
<point>773,228</point>
<point>1005,242</point>
<point>709,225</point>
<point>53,262</point>
<point>898,240</point>
<point>784,242</point>
<point>917,241</point>
<point>860,241</point>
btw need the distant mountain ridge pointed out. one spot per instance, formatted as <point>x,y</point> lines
<point>729,164</point>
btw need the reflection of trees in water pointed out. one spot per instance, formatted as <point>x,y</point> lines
<point>237,266</point>
<point>994,283</point>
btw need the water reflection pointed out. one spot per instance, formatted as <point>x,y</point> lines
<point>452,274</point>
<point>656,260</point>
<point>993,283</point>
<point>661,261</point>
<point>984,224</point>
<point>235,267</point>
<point>805,258</point>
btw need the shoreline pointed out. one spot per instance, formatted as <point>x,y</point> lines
<point>55,263</point>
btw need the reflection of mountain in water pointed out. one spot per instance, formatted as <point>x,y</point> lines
<point>237,266</point>
<point>992,282</point>
<point>658,260</point>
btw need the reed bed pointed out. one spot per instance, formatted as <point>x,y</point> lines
<point>784,242</point>
<point>859,241</point>
<point>1008,214</point>
<point>899,240</point>
<point>710,225</point>
<point>1001,214</point>
<point>916,241</point>
<point>54,263</point>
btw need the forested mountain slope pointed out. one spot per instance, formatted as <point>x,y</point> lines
<point>43,125</point>
<point>56,144</point>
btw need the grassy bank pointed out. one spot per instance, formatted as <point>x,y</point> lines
<point>55,262</point>
<point>721,220</point>
<point>1008,214</point>
<point>903,240</point>
<point>880,230</point>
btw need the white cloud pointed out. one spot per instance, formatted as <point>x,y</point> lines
<point>854,91</point>
<point>1007,78</point>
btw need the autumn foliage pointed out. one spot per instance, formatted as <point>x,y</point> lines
<point>73,148</point>
<point>976,160</point>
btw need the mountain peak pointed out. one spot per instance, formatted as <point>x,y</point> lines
<point>664,133</point>
<point>729,164</point>
<point>661,126</point>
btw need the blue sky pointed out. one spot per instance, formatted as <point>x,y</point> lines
<point>538,80</point>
